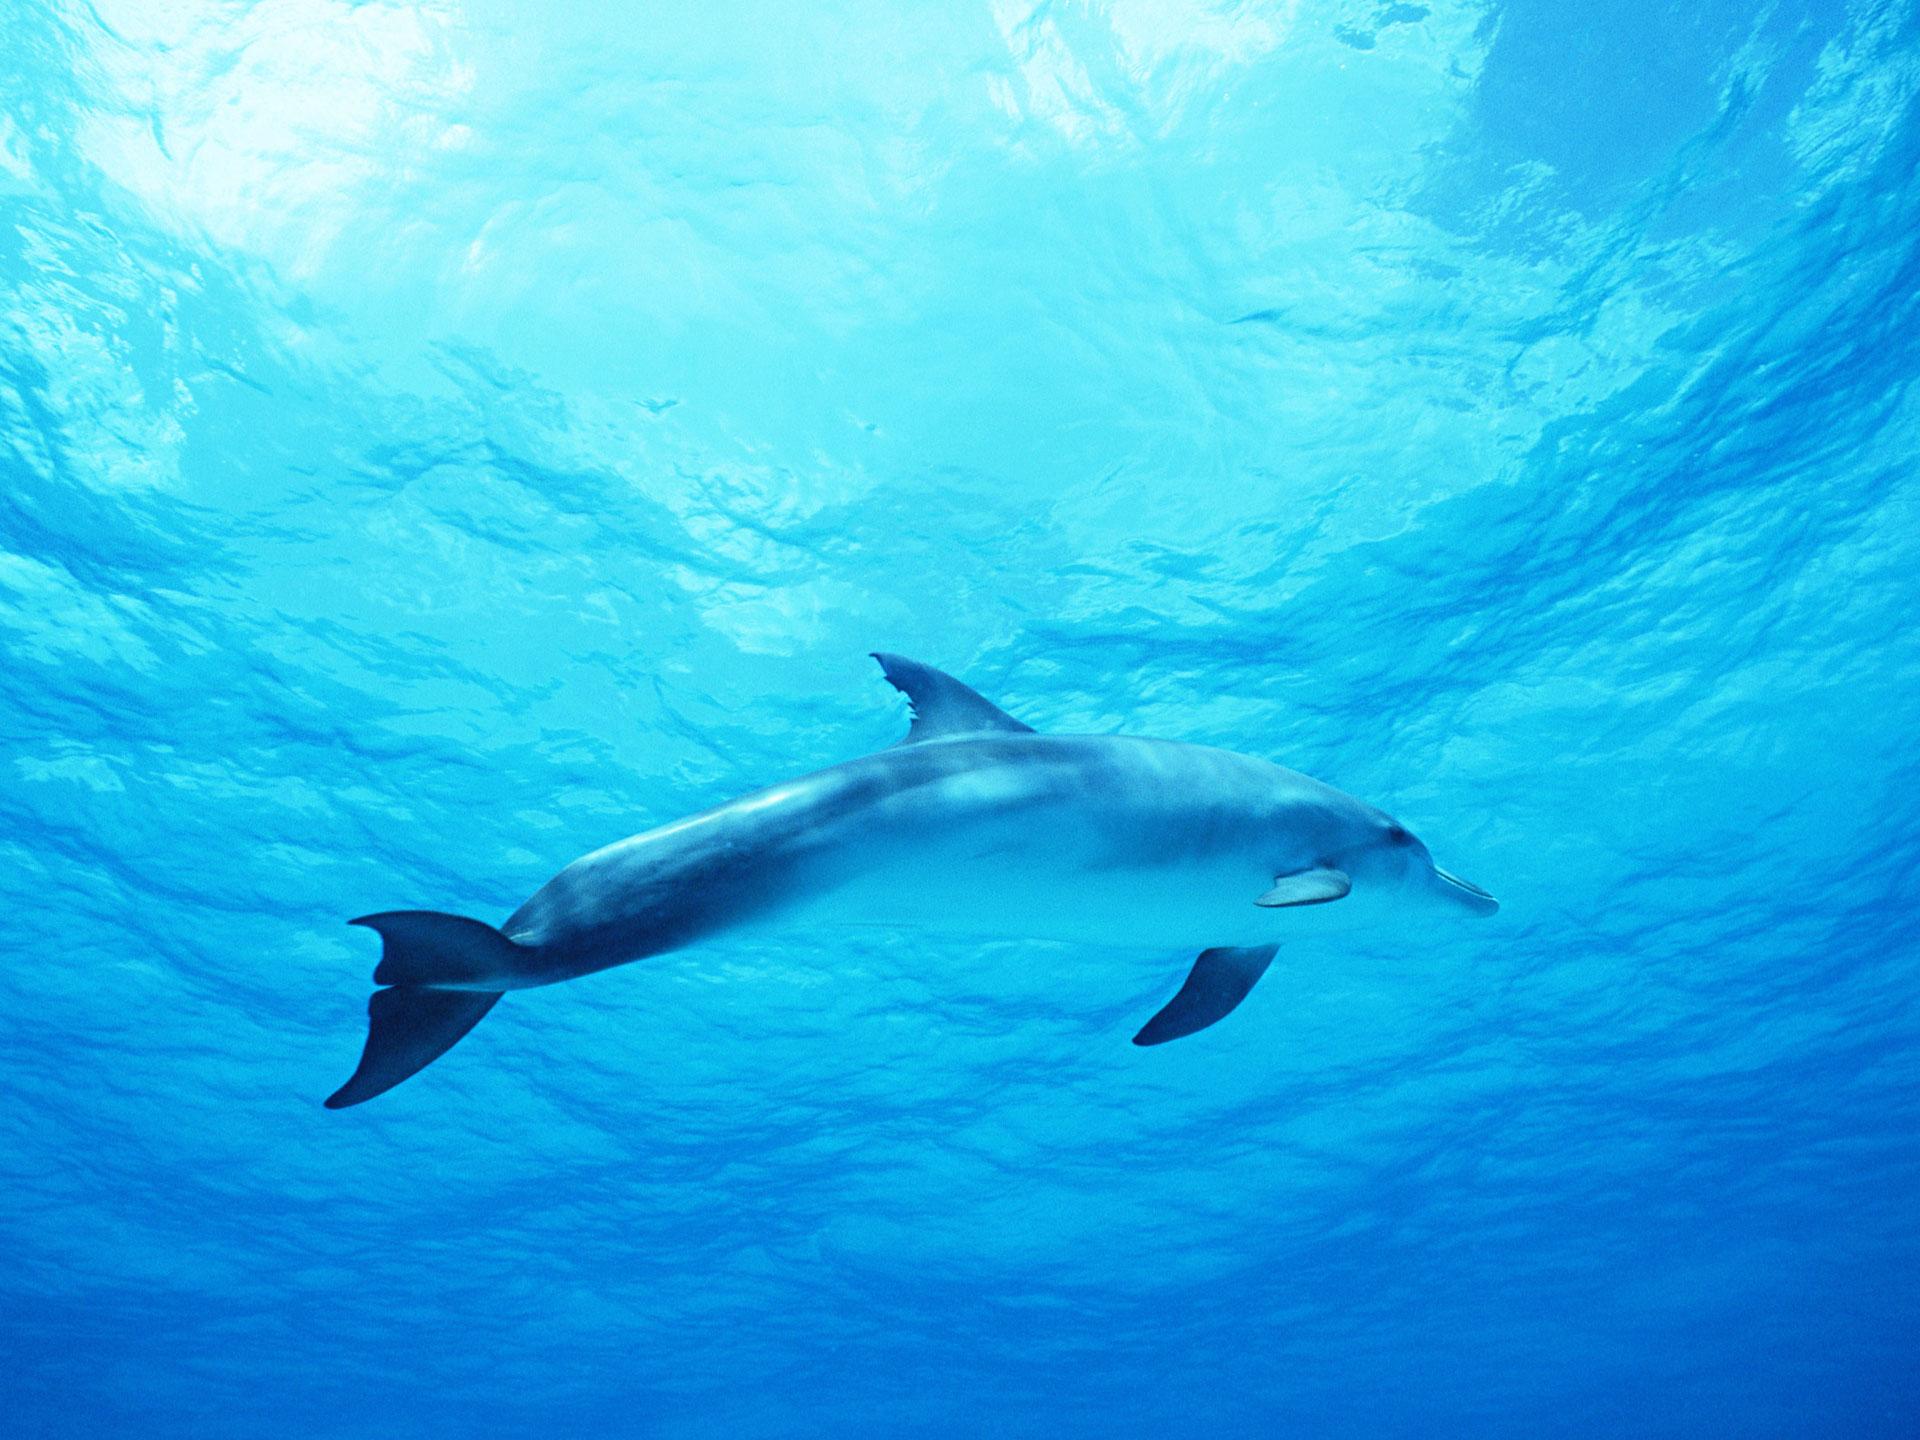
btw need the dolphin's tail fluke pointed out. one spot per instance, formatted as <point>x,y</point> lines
<point>448,952</point>
<point>444,972</point>
<point>408,1028</point>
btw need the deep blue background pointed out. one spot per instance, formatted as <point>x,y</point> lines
<point>442,438</point>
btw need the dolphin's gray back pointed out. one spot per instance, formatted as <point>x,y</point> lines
<point>883,836</point>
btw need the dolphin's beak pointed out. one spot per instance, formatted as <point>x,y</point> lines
<point>1465,893</point>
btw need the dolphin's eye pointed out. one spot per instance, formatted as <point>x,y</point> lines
<point>1398,836</point>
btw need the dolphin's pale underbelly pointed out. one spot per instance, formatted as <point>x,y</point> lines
<point>989,883</point>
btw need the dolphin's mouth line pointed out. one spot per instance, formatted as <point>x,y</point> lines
<point>1480,898</point>
<point>1466,885</point>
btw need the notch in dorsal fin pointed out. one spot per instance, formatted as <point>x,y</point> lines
<point>942,706</point>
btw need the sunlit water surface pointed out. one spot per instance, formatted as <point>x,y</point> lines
<point>441,438</point>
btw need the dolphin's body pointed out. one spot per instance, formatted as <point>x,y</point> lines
<point>974,825</point>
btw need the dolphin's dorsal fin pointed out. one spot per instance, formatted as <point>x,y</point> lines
<point>941,705</point>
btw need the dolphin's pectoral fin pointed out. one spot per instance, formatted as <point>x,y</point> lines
<point>941,705</point>
<point>1309,887</point>
<point>1219,980</point>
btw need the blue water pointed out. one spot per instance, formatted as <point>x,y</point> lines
<point>441,438</point>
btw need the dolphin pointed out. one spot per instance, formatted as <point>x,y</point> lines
<point>974,825</point>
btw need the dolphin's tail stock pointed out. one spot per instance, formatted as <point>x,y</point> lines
<point>443,973</point>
